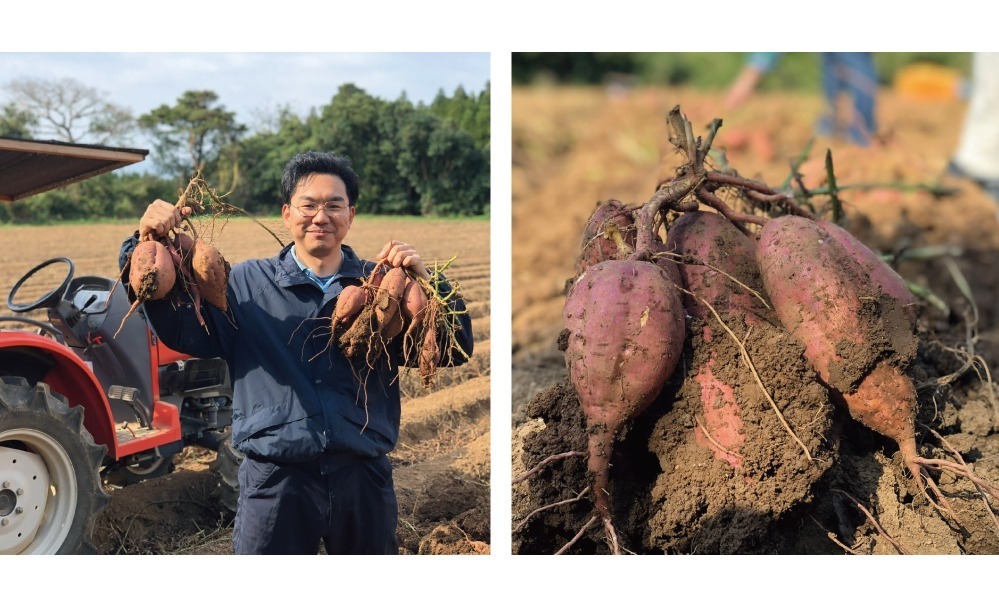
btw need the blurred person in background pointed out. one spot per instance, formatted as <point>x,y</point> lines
<point>842,72</point>
<point>977,155</point>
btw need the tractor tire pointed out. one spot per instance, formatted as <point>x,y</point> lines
<point>50,484</point>
<point>226,468</point>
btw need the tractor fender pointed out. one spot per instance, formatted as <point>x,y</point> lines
<point>72,378</point>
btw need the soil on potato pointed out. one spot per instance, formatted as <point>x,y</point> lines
<point>751,490</point>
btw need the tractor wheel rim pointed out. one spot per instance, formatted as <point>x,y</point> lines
<point>46,478</point>
<point>146,468</point>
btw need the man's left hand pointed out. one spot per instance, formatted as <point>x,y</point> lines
<point>398,253</point>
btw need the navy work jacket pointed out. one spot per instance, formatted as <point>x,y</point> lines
<point>295,395</point>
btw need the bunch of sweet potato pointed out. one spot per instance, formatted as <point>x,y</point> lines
<point>160,265</point>
<point>626,331</point>
<point>390,302</point>
<point>626,308</point>
<point>778,270</point>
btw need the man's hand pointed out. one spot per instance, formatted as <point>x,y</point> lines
<point>160,218</point>
<point>398,253</point>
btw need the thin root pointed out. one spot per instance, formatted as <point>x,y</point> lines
<point>687,259</point>
<point>611,537</point>
<point>549,506</point>
<point>870,518</point>
<point>546,461</point>
<point>578,536</point>
<point>714,442</point>
<point>832,537</point>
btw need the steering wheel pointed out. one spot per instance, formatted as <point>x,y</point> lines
<point>50,299</point>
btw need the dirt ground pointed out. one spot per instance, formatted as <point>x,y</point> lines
<point>441,463</point>
<point>672,490</point>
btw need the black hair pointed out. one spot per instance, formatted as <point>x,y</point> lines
<point>319,163</point>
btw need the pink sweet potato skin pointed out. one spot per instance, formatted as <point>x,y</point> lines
<point>712,239</point>
<point>626,333</point>
<point>414,304</point>
<point>882,274</point>
<point>894,419</point>
<point>388,313</point>
<point>152,274</point>
<point>185,245</point>
<point>669,266</point>
<point>599,240</point>
<point>349,304</point>
<point>721,416</point>
<point>211,274</point>
<point>826,300</point>
<point>858,337</point>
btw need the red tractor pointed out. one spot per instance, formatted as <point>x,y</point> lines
<point>79,404</point>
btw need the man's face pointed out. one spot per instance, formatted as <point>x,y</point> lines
<point>319,235</point>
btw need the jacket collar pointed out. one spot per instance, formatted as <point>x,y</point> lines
<point>289,273</point>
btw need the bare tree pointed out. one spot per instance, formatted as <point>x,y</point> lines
<point>68,110</point>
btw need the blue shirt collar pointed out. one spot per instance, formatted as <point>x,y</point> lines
<point>322,282</point>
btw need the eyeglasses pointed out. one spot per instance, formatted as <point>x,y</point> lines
<point>310,210</point>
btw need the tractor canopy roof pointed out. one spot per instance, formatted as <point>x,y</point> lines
<point>28,167</point>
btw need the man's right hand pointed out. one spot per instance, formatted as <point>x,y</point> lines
<point>160,218</point>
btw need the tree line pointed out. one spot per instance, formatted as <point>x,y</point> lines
<point>413,159</point>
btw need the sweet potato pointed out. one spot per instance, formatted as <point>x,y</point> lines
<point>211,274</point>
<point>151,271</point>
<point>430,355</point>
<point>414,309</point>
<point>626,330</point>
<point>665,262</point>
<point>349,304</point>
<point>185,247</point>
<point>885,402</point>
<point>152,274</point>
<point>414,304</point>
<point>711,239</point>
<point>882,274</point>
<point>857,337</point>
<point>609,235</point>
<point>707,238</point>
<point>722,419</point>
<point>388,314</point>
<point>374,279</point>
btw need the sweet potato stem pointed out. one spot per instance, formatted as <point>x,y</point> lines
<point>736,218</point>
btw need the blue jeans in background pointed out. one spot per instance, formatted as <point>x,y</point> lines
<point>850,73</point>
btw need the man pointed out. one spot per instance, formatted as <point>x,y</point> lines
<point>315,429</point>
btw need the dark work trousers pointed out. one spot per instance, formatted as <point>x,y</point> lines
<point>286,508</point>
